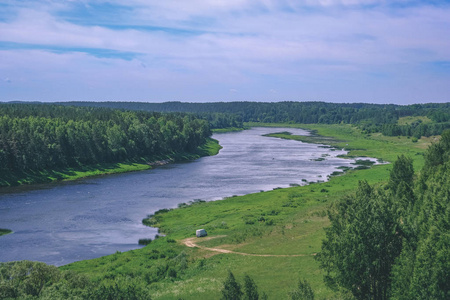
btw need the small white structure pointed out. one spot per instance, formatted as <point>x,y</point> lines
<point>201,233</point>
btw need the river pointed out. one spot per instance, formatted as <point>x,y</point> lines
<point>66,222</point>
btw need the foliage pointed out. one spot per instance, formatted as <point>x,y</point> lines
<point>423,269</point>
<point>369,117</point>
<point>119,289</point>
<point>250,289</point>
<point>231,288</point>
<point>416,129</point>
<point>44,137</point>
<point>5,231</point>
<point>24,279</point>
<point>413,242</point>
<point>402,171</point>
<point>362,243</point>
<point>303,292</point>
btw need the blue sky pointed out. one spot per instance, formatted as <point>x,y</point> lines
<point>395,51</point>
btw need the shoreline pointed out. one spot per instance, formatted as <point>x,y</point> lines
<point>361,163</point>
<point>32,179</point>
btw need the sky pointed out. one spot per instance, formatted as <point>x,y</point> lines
<point>377,51</point>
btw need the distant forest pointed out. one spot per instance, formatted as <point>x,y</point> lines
<point>38,137</point>
<point>369,117</point>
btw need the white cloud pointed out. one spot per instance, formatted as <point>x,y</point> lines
<point>238,43</point>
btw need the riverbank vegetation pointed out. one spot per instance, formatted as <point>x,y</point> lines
<point>49,142</point>
<point>5,231</point>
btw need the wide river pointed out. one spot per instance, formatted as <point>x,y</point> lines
<point>65,222</point>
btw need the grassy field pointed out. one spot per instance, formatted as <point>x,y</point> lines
<point>211,147</point>
<point>228,129</point>
<point>274,235</point>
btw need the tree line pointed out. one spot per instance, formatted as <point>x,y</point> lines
<point>393,242</point>
<point>369,117</point>
<point>416,129</point>
<point>38,136</point>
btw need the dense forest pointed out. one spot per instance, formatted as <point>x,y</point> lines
<point>369,117</point>
<point>394,241</point>
<point>38,136</point>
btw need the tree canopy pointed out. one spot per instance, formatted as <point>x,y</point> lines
<point>394,242</point>
<point>37,137</point>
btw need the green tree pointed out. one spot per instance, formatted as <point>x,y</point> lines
<point>231,288</point>
<point>423,268</point>
<point>26,278</point>
<point>250,289</point>
<point>362,243</point>
<point>303,291</point>
<point>402,172</point>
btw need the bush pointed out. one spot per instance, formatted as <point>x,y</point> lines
<point>303,292</point>
<point>145,241</point>
<point>231,288</point>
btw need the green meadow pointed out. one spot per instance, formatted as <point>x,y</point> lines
<point>273,236</point>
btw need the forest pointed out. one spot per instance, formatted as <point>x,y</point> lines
<point>41,137</point>
<point>369,117</point>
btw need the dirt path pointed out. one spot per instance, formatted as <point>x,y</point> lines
<point>192,243</point>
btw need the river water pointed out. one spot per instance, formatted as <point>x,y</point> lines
<point>66,222</point>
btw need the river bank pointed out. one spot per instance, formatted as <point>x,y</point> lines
<point>211,147</point>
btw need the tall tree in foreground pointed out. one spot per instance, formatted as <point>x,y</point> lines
<point>423,269</point>
<point>362,243</point>
<point>231,288</point>
<point>402,172</point>
<point>250,289</point>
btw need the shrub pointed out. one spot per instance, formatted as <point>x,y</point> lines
<point>145,241</point>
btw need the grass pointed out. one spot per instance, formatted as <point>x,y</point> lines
<point>280,222</point>
<point>228,129</point>
<point>411,119</point>
<point>5,231</point>
<point>211,147</point>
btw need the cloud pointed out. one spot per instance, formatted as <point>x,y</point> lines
<point>145,46</point>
